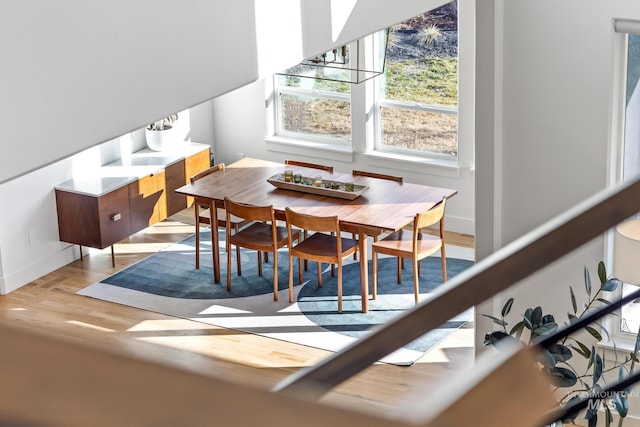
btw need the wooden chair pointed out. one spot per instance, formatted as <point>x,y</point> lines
<point>262,235</point>
<point>329,169</point>
<point>412,244</point>
<point>204,216</point>
<point>324,245</point>
<point>309,165</point>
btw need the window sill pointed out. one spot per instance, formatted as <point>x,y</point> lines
<point>440,167</point>
<point>308,148</point>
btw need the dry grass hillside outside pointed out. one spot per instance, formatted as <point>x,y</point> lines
<point>421,68</point>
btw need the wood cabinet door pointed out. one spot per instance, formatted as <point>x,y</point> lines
<point>144,197</point>
<point>174,178</point>
<point>93,221</point>
<point>194,164</point>
<point>115,221</point>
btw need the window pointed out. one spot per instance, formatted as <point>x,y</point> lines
<point>408,113</point>
<point>313,109</point>
<point>630,314</point>
<point>417,97</point>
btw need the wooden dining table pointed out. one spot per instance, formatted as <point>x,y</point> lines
<point>383,204</point>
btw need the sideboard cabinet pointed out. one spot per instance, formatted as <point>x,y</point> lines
<point>126,196</point>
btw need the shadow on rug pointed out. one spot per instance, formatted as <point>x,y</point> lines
<point>168,283</point>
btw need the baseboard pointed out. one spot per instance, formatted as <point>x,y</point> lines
<point>460,225</point>
<point>37,268</point>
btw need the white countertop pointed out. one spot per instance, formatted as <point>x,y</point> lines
<point>124,171</point>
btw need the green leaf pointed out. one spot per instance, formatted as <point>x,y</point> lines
<point>582,349</point>
<point>602,272</point>
<point>545,329</point>
<point>621,373</point>
<point>622,404</point>
<point>507,307</point>
<point>587,281</point>
<point>527,318</point>
<point>574,304</point>
<point>548,318</point>
<point>604,331</point>
<point>597,369</point>
<point>497,321</point>
<point>608,417</point>
<point>572,318</point>
<point>496,337</point>
<point>546,359</point>
<point>610,285</point>
<point>562,377</point>
<point>536,316</point>
<point>516,331</point>
<point>593,333</point>
<point>604,301</point>
<point>561,353</point>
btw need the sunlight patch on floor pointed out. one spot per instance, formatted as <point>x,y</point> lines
<point>89,326</point>
<point>167,325</point>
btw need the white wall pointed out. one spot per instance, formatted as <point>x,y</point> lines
<point>547,133</point>
<point>76,74</point>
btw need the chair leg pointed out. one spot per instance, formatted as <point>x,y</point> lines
<point>275,275</point>
<point>237,247</point>
<point>291,277</point>
<point>374,275</point>
<point>197,235</point>
<point>300,272</point>
<point>399,271</point>
<point>266,257</point>
<point>305,233</point>
<point>228,265</point>
<point>339,288</point>
<point>259,263</point>
<point>355,254</point>
<point>416,285</point>
<point>319,274</point>
<point>444,264</point>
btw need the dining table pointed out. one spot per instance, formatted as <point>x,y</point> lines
<point>378,203</point>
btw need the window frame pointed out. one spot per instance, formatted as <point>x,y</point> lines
<point>363,128</point>
<point>309,93</point>
<point>624,339</point>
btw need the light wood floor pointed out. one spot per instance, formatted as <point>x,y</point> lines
<point>50,305</point>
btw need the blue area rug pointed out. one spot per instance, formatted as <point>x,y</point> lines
<point>167,282</point>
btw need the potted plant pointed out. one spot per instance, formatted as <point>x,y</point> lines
<point>160,135</point>
<point>571,380</point>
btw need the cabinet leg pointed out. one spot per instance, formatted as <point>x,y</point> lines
<point>81,255</point>
<point>113,257</point>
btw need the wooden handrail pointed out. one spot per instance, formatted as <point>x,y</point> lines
<point>494,274</point>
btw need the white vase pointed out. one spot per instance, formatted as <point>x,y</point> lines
<point>162,140</point>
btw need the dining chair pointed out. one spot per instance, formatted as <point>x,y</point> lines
<point>203,215</point>
<point>324,245</point>
<point>290,162</point>
<point>262,235</point>
<point>318,166</point>
<point>414,244</point>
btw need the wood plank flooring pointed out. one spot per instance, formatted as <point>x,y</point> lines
<point>50,305</point>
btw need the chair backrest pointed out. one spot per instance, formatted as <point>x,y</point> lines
<point>212,169</point>
<point>250,212</point>
<point>377,175</point>
<point>430,217</point>
<point>312,223</point>
<point>323,224</point>
<point>309,165</point>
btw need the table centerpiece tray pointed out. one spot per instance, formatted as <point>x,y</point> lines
<point>329,187</point>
